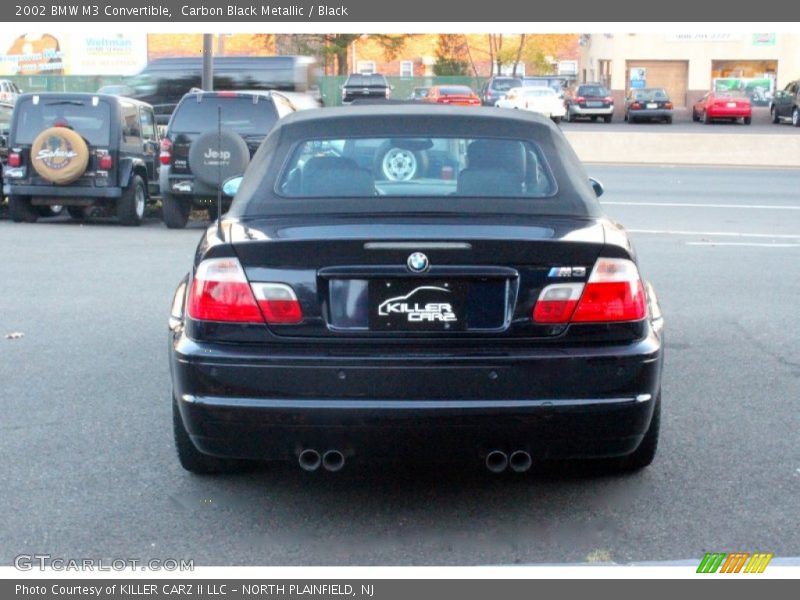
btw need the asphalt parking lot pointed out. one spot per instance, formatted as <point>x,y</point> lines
<point>89,468</point>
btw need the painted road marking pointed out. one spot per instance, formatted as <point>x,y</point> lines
<point>782,236</point>
<point>702,205</point>
<point>750,244</point>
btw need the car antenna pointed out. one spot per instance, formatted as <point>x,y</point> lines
<point>219,174</point>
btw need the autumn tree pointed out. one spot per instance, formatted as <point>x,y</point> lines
<point>450,54</point>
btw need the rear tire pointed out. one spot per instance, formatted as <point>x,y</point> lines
<point>51,211</point>
<point>747,120</point>
<point>643,455</point>
<point>773,113</point>
<point>21,211</point>
<point>796,117</point>
<point>175,211</point>
<point>195,461</point>
<point>608,118</point>
<point>77,212</point>
<point>705,119</point>
<point>130,207</point>
<point>695,118</point>
<point>556,120</point>
<point>668,120</point>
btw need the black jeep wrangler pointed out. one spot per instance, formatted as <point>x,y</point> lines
<point>212,136</point>
<point>81,151</point>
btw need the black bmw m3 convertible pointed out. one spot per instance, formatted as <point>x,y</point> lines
<point>401,281</point>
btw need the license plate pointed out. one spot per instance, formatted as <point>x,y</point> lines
<point>731,104</point>
<point>594,104</point>
<point>652,105</point>
<point>417,305</point>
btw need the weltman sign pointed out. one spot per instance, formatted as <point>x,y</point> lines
<point>72,54</point>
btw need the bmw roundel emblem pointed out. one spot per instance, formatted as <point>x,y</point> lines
<point>418,262</point>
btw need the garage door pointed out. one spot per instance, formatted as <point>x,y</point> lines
<point>672,75</point>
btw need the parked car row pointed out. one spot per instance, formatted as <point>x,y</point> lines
<point>100,153</point>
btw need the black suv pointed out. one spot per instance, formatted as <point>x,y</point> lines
<point>80,151</point>
<point>359,87</point>
<point>196,156</point>
<point>786,104</point>
<point>496,89</point>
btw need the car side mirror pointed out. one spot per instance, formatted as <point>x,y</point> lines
<point>231,185</point>
<point>598,188</point>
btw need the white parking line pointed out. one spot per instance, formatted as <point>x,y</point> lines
<point>782,236</point>
<point>750,244</point>
<point>703,205</point>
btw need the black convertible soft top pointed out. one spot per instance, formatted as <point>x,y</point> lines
<point>257,195</point>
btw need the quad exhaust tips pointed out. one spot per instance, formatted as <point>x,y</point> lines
<point>333,460</point>
<point>496,461</point>
<point>519,461</point>
<point>311,460</point>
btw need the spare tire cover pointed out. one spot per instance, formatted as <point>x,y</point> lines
<point>59,155</point>
<point>215,157</point>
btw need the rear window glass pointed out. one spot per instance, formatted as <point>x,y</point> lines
<point>540,91</point>
<point>453,90</point>
<point>651,95</point>
<point>406,166</point>
<point>92,121</point>
<point>503,85</point>
<point>366,80</point>
<point>593,90</point>
<point>238,114</point>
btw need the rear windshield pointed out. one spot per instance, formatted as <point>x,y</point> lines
<point>366,80</point>
<point>238,114</point>
<point>92,121</point>
<point>593,90</point>
<point>540,91</point>
<point>503,85</point>
<point>455,90</point>
<point>406,166</point>
<point>651,95</point>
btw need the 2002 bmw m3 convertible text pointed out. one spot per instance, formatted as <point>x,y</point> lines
<point>474,304</point>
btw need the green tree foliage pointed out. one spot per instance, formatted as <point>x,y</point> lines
<point>450,55</point>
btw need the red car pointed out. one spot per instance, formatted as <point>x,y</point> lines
<point>459,95</point>
<point>722,105</point>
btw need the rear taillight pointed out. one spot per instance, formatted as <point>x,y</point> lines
<point>14,159</point>
<point>443,100</point>
<point>668,105</point>
<point>608,100</point>
<point>580,99</point>
<point>636,106</point>
<point>165,157</point>
<point>220,292</point>
<point>557,302</point>
<point>614,292</point>
<point>105,163</point>
<point>278,303</point>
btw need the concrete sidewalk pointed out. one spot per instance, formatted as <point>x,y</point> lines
<point>752,150</point>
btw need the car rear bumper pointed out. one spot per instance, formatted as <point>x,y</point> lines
<point>589,402</point>
<point>728,113</point>
<point>185,185</point>
<point>655,113</point>
<point>577,110</point>
<point>67,191</point>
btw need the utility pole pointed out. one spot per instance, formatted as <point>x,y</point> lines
<point>207,82</point>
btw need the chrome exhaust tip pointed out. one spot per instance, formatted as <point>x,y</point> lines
<point>520,461</point>
<point>496,461</point>
<point>309,460</point>
<point>333,460</point>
